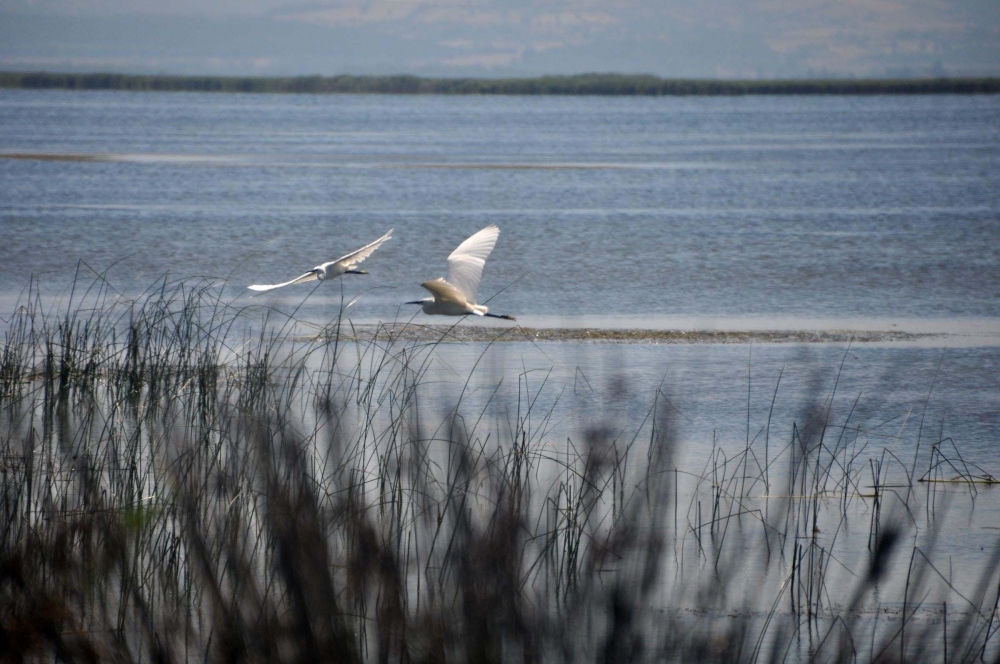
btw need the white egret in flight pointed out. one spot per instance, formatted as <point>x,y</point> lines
<point>455,295</point>
<point>344,265</point>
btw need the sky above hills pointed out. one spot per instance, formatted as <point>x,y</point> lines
<point>714,38</point>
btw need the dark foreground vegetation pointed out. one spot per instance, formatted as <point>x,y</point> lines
<point>581,84</point>
<point>188,481</point>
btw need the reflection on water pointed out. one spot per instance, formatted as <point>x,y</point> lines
<point>722,391</point>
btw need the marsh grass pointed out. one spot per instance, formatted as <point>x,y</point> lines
<point>188,480</point>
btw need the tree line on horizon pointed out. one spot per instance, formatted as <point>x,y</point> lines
<point>579,84</point>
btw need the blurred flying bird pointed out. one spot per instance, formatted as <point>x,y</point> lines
<point>455,295</point>
<point>343,265</point>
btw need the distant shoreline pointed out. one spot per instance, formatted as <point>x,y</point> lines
<point>581,84</point>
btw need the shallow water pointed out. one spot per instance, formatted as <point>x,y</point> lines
<point>726,394</point>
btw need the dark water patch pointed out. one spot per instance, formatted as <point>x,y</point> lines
<point>49,156</point>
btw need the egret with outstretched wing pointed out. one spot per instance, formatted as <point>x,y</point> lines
<point>344,265</point>
<point>455,294</point>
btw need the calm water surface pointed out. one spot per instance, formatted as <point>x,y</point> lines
<point>747,213</point>
<point>793,207</point>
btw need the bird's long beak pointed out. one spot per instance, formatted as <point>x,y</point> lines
<point>415,302</point>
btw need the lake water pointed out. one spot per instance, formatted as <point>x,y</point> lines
<point>640,208</point>
<point>756,213</point>
<point>736,214</point>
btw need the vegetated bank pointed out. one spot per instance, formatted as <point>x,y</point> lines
<point>579,84</point>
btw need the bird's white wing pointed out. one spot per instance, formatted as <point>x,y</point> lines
<point>445,292</point>
<point>465,264</point>
<point>353,259</point>
<point>263,288</point>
